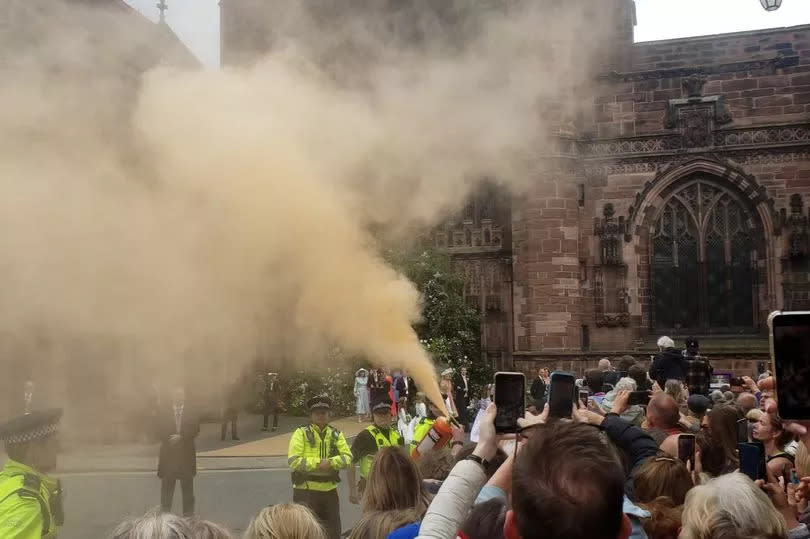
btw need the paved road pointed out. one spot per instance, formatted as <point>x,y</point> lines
<point>97,502</point>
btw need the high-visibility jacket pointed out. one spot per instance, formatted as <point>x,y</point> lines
<point>309,445</point>
<point>30,503</point>
<point>393,439</point>
<point>420,431</point>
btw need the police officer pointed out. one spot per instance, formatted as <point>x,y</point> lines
<point>30,501</point>
<point>317,452</point>
<point>368,442</point>
<point>424,425</point>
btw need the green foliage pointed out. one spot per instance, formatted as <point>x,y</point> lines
<point>450,329</point>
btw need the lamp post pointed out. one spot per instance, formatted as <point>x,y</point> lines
<point>771,5</point>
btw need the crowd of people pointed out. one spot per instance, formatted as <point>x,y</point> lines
<point>617,468</point>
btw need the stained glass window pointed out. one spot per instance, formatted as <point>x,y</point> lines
<point>702,262</point>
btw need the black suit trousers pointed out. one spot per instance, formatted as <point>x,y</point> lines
<point>325,505</point>
<point>167,494</point>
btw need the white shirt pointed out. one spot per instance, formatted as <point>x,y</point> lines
<point>29,395</point>
<point>178,417</point>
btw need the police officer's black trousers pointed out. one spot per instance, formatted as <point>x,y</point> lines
<point>167,494</point>
<point>326,505</point>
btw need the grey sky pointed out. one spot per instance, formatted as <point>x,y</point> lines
<point>197,21</point>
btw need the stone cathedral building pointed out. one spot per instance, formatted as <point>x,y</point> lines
<point>679,205</point>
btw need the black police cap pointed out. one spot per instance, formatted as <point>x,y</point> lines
<point>34,426</point>
<point>382,404</point>
<point>322,402</point>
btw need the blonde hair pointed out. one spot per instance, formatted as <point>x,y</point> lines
<point>394,482</point>
<point>285,521</point>
<point>730,506</point>
<point>377,524</point>
<point>802,460</point>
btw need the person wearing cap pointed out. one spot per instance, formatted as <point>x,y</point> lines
<point>424,425</point>
<point>271,400</point>
<point>376,436</point>
<point>698,369</point>
<point>316,454</point>
<point>30,500</point>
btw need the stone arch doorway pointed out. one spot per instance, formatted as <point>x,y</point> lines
<point>704,263</point>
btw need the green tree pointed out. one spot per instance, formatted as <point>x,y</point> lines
<point>450,328</point>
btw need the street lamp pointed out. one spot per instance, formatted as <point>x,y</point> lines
<point>771,5</point>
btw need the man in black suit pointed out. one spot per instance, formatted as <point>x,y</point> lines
<point>272,400</point>
<point>462,395</point>
<point>178,427</point>
<point>538,388</point>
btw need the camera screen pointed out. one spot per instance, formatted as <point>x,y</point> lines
<point>791,348</point>
<point>561,395</point>
<point>509,398</point>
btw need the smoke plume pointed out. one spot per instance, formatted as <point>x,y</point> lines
<point>185,212</point>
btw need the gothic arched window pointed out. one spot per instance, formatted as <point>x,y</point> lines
<point>702,265</point>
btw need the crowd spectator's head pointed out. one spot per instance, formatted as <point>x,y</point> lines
<point>717,397</point>
<point>377,524</point>
<point>604,364</point>
<point>746,402</point>
<point>485,521</point>
<point>625,384</point>
<point>285,521</point>
<point>154,524</point>
<point>661,476</point>
<point>625,362</point>
<point>436,464</point>
<point>698,405</point>
<point>395,483</point>
<point>730,506</point>
<point>594,380</point>
<point>665,343</point>
<point>205,529</point>
<point>662,412</point>
<point>677,391</point>
<point>722,424</point>
<point>567,483</point>
<point>728,397</point>
<point>665,518</point>
<point>639,374</point>
<point>692,346</point>
<point>769,429</point>
<point>713,457</point>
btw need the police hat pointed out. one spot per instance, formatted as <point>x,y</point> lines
<point>382,404</point>
<point>691,342</point>
<point>34,426</point>
<point>319,402</point>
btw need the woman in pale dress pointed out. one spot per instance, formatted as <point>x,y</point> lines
<point>404,420</point>
<point>361,395</point>
<point>446,387</point>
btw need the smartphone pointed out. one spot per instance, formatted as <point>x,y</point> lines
<point>561,394</point>
<point>686,448</point>
<point>639,397</point>
<point>752,460</point>
<point>583,397</point>
<point>510,398</point>
<point>790,351</point>
<point>742,430</point>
